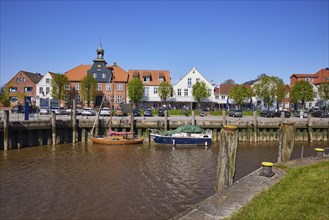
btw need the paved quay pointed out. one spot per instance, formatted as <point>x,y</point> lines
<point>225,203</point>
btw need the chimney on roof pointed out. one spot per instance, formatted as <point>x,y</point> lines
<point>114,64</point>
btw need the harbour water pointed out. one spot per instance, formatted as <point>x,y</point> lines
<point>118,182</point>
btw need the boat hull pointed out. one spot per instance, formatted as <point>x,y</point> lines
<point>116,141</point>
<point>181,140</point>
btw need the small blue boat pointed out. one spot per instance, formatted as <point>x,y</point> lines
<point>183,135</point>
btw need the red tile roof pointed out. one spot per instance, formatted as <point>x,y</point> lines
<point>154,74</point>
<point>224,89</point>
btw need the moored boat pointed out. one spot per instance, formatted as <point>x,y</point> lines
<point>117,138</point>
<point>183,135</point>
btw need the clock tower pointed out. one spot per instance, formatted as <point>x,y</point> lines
<point>98,69</point>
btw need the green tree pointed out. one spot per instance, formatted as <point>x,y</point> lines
<point>59,84</point>
<point>199,92</point>
<point>240,93</point>
<point>302,92</point>
<point>89,88</point>
<point>324,91</point>
<point>279,91</point>
<point>135,90</point>
<point>165,91</point>
<point>269,88</point>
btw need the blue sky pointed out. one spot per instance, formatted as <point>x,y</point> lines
<point>222,39</point>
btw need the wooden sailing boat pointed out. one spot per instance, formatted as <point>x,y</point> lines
<point>113,137</point>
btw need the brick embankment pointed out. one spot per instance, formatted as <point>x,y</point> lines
<point>223,204</point>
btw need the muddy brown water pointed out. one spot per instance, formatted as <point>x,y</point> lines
<point>117,182</point>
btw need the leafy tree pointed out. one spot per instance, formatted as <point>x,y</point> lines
<point>302,92</point>
<point>240,93</point>
<point>89,88</point>
<point>200,91</point>
<point>324,91</point>
<point>71,95</point>
<point>269,88</point>
<point>280,92</point>
<point>59,85</point>
<point>135,90</point>
<point>229,81</point>
<point>165,91</point>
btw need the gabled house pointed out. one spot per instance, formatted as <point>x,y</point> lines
<point>151,80</point>
<point>44,89</point>
<point>183,91</point>
<point>22,87</point>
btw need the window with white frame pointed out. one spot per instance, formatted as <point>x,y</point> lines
<point>223,97</point>
<point>179,92</point>
<point>155,90</point>
<point>147,79</point>
<point>95,75</point>
<point>103,75</point>
<point>287,95</point>
<point>185,92</point>
<point>28,89</point>
<point>108,87</point>
<point>161,79</point>
<point>77,86</point>
<point>146,91</point>
<point>40,90</point>
<point>189,82</point>
<point>112,99</point>
<point>197,79</point>
<point>78,98</point>
<point>209,91</point>
<point>13,89</point>
<point>217,97</point>
<point>12,98</point>
<point>120,99</point>
<point>47,90</point>
<point>99,86</point>
<point>120,87</point>
<point>47,81</point>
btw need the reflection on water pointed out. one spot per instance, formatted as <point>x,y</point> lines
<point>116,182</point>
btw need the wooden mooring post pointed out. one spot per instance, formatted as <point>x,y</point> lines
<point>53,127</point>
<point>224,118</point>
<point>255,127</point>
<point>227,157</point>
<point>309,128</point>
<point>74,122</point>
<point>5,129</point>
<point>287,141</point>
<point>166,120</point>
<point>193,118</point>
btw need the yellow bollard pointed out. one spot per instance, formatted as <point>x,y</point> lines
<point>319,152</point>
<point>267,169</point>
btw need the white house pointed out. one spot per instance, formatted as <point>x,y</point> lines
<point>43,90</point>
<point>183,91</point>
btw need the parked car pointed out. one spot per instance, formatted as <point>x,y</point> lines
<point>58,110</point>
<point>136,112</point>
<point>278,114</point>
<point>88,112</point>
<point>267,114</point>
<point>235,113</point>
<point>44,111</point>
<point>161,112</point>
<point>320,114</point>
<point>148,112</point>
<point>69,111</point>
<point>297,114</point>
<point>105,112</point>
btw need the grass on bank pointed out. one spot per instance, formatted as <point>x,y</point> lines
<point>302,194</point>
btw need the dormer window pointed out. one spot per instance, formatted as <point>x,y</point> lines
<point>161,79</point>
<point>147,79</point>
<point>95,75</point>
<point>103,75</point>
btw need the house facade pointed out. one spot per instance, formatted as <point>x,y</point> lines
<point>182,91</point>
<point>44,91</point>
<point>151,80</point>
<point>315,79</point>
<point>111,81</point>
<point>22,87</point>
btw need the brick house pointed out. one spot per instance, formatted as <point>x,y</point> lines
<point>106,77</point>
<point>315,79</point>
<point>22,87</point>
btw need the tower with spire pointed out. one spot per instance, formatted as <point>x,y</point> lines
<point>98,69</point>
